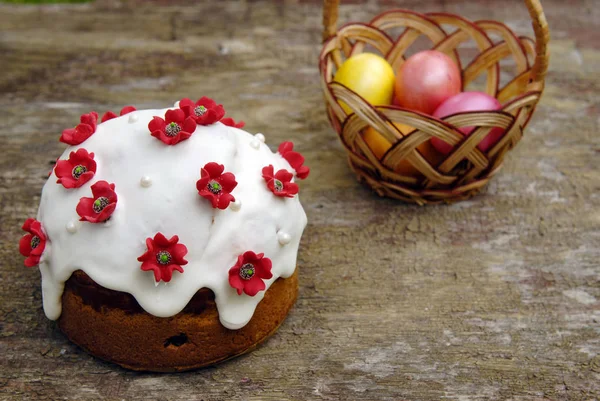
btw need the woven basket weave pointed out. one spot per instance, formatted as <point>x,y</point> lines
<point>466,170</point>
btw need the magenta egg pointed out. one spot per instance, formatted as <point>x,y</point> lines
<point>465,102</point>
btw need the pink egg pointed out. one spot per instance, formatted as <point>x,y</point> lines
<point>425,80</point>
<point>464,102</point>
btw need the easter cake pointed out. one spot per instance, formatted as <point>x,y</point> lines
<point>167,239</point>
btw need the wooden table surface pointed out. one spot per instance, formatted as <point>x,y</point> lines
<point>494,298</point>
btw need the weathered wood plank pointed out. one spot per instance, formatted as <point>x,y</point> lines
<point>493,298</point>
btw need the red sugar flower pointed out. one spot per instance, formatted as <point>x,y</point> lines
<point>87,126</point>
<point>175,127</point>
<point>76,171</point>
<point>230,122</point>
<point>32,244</point>
<point>296,160</point>
<point>163,256</point>
<point>100,206</point>
<point>109,115</point>
<point>249,272</point>
<point>280,183</point>
<point>205,111</point>
<point>215,185</point>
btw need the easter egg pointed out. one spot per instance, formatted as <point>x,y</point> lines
<point>425,80</point>
<point>370,76</point>
<point>377,142</point>
<point>465,102</point>
<point>380,145</point>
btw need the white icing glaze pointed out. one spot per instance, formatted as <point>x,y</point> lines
<point>283,237</point>
<point>255,143</point>
<point>260,137</point>
<point>108,252</point>
<point>146,181</point>
<point>133,117</point>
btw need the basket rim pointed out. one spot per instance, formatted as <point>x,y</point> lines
<point>430,117</point>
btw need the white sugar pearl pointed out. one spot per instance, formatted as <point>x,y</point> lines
<point>283,237</point>
<point>145,181</point>
<point>72,227</point>
<point>133,117</point>
<point>255,143</point>
<point>260,137</point>
<point>236,206</point>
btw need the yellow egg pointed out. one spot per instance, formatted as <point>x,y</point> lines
<point>369,75</point>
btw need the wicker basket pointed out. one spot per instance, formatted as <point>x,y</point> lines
<point>466,170</point>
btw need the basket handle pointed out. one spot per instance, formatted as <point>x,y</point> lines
<point>539,23</point>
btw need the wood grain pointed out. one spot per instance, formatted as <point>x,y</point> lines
<point>494,298</point>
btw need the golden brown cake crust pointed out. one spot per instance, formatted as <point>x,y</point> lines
<point>111,325</point>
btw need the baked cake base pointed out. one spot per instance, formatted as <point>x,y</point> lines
<point>112,326</point>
